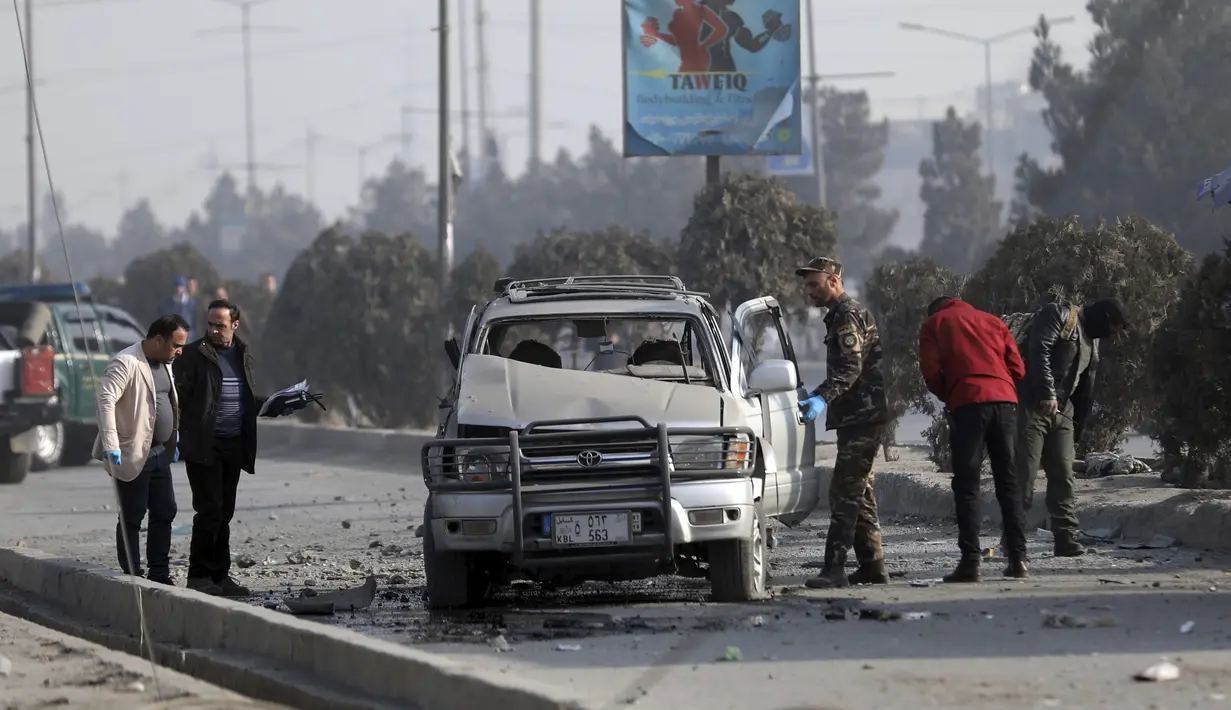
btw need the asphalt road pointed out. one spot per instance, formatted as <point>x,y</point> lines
<point>662,644</point>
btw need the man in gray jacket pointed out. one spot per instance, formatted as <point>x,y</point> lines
<point>138,422</point>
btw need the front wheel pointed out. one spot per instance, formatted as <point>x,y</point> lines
<point>453,580</point>
<point>48,447</point>
<point>739,568</point>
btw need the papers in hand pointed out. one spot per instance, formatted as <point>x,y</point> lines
<point>297,390</point>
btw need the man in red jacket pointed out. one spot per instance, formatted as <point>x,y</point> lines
<point>971,363</point>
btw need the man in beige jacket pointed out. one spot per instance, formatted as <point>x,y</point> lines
<point>138,425</point>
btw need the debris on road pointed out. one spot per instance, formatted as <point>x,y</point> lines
<point>732,654</point>
<point>1158,542</point>
<point>924,582</point>
<point>1102,465</point>
<point>311,602</point>
<point>1052,620</point>
<point>568,647</point>
<point>1159,672</point>
<point>245,561</point>
<point>1187,627</point>
<point>500,644</point>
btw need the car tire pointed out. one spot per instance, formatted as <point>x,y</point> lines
<point>13,467</point>
<point>739,568</point>
<point>48,448</point>
<point>453,582</point>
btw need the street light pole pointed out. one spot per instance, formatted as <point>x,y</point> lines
<point>32,270</point>
<point>987,43</point>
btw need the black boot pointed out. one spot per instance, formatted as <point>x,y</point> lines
<point>871,573</point>
<point>833,574</point>
<point>1066,544</point>
<point>967,572</point>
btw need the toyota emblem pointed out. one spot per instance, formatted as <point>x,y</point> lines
<point>589,458</point>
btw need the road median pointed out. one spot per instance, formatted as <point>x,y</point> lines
<point>254,651</point>
<point>1134,507</point>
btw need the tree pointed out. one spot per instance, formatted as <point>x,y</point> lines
<point>13,269</point>
<point>1138,130</point>
<point>1132,260</point>
<point>148,279</point>
<point>291,338</point>
<point>962,215</point>
<point>471,284</point>
<point>898,295</point>
<point>613,250</point>
<point>854,152</point>
<point>746,237</point>
<point>1189,378</point>
<point>399,201</point>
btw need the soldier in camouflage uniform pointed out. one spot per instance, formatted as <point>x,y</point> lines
<point>853,397</point>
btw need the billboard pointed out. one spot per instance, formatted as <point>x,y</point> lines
<point>711,77</point>
<point>795,165</point>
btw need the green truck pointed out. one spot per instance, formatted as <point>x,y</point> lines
<point>107,330</point>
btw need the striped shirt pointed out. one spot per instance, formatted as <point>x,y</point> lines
<point>230,421</point>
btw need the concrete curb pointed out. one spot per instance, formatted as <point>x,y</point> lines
<point>258,652</point>
<point>1197,519</point>
<point>393,443</point>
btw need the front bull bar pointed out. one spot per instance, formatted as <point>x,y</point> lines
<point>439,479</point>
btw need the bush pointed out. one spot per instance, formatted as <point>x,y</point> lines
<point>1051,260</point>
<point>898,295</point>
<point>1190,379</point>
<point>148,280</point>
<point>746,237</point>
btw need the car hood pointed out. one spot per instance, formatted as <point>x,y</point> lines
<point>496,391</point>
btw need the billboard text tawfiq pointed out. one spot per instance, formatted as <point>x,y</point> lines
<point>711,77</point>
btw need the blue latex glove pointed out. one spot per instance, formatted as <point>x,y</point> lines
<point>812,407</point>
<point>113,457</point>
<point>176,457</point>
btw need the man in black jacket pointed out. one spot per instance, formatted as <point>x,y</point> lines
<point>1056,397</point>
<point>218,407</point>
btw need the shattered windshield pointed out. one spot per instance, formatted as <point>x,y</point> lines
<point>652,348</point>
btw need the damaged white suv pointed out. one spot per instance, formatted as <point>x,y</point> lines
<point>602,428</point>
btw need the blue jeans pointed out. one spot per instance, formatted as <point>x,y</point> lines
<point>152,491</point>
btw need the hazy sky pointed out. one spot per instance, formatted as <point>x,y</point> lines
<point>135,97</point>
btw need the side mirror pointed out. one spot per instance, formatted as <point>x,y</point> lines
<point>454,351</point>
<point>773,376</point>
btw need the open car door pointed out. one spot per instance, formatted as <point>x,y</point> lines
<point>766,374</point>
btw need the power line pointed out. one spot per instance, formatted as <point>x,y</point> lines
<point>92,75</point>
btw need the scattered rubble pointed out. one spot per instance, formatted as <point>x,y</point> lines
<point>1159,672</point>
<point>1057,620</point>
<point>311,602</point>
<point>1108,463</point>
<point>6,667</point>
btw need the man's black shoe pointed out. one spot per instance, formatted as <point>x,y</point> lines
<point>231,588</point>
<point>162,579</point>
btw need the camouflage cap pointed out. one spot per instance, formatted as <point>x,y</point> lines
<point>820,265</point>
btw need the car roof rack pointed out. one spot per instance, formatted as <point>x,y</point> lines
<point>604,286</point>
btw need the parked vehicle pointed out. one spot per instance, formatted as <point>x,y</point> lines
<point>108,330</point>
<point>603,428</point>
<point>28,386</point>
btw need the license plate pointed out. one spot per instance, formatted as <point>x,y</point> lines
<point>590,529</point>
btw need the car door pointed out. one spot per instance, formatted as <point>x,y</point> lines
<point>757,336</point>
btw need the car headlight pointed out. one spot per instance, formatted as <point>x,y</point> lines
<point>710,453</point>
<point>482,465</point>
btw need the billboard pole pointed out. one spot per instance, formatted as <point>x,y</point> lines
<point>713,170</point>
<point>818,160</point>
